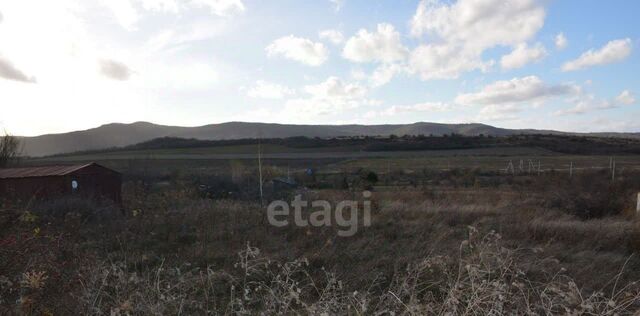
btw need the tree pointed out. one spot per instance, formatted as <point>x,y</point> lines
<point>9,149</point>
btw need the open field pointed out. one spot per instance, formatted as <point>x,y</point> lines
<point>218,160</point>
<point>427,251</point>
<point>452,232</point>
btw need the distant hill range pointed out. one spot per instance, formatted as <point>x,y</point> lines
<point>119,135</point>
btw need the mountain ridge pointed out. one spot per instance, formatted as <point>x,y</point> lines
<point>124,134</point>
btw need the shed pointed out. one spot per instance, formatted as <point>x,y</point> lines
<point>46,182</point>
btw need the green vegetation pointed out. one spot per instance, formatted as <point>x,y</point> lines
<point>552,143</point>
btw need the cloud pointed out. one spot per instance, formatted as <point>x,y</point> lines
<point>127,13</point>
<point>333,36</point>
<point>413,108</point>
<point>444,62</point>
<point>266,90</point>
<point>161,5</point>
<point>333,96</point>
<point>626,98</point>
<point>561,41</point>
<point>384,73</point>
<point>499,112</point>
<point>338,4</point>
<point>182,36</point>
<point>479,24</point>
<point>383,45</point>
<point>516,90</point>
<point>584,103</point>
<point>335,88</point>
<point>614,51</point>
<point>223,8</point>
<point>114,70</point>
<point>123,12</point>
<point>9,71</point>
<point>460,32</point>
<point>299,49</point>
<point>522,55</point>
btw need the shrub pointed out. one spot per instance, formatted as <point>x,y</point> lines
<point>592,195</point>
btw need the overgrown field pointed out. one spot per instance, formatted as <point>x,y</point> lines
<point>456,244</point>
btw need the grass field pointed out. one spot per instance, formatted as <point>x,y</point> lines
<point>451,233</point>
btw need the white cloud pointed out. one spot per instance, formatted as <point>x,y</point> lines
<point>9,71</point>
<point>337,4</point>
<point>333,36</point>
<point>181,36</point>
<point>358,74</point>
<point>522,55</point>
<point>626,98</point>
<point>561,41</point>
<point>222,7</point>
<point>517,90</point>
<point>614,51</point>
<point>413,108</point>
<point>584,103</point>
<point>383,45</point>
<point>127,13</point>
<point>115,70</point>
<point>463,30</point>
<point>335,88</point>
<point>330,97</point>
<point>266,90</point>
<point>123,12</point>
<point>479,24</point>
<point>299,49</point>
<point>499,112</point>
<point>444,62</point>
<point>171,6</point>
<point>384,73</point>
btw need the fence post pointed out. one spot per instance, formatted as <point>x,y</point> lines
<point>638,205</point>
<point>571,170</point>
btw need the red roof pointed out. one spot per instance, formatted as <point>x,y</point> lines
<point>44,171</point>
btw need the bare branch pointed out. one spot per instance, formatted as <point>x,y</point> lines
<point>9,149</point>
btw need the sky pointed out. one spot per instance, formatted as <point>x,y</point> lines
<point>76,64</point>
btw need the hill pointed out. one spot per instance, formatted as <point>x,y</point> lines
<point>121,135</point>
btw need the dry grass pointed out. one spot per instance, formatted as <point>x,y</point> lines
<point>471,251</point>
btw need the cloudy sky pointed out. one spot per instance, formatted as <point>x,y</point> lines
<point>75,64</point>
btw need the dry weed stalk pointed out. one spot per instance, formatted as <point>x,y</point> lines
<point>486,279</point>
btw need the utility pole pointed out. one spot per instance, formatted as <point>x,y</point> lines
<point>571,170</point>
<point>610,163</point>
<point>260,170</point>
<point>613,171</point>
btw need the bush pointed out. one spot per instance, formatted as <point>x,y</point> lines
<point>592,195</point>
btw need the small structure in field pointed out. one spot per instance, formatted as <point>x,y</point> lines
<point>48,182</point>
